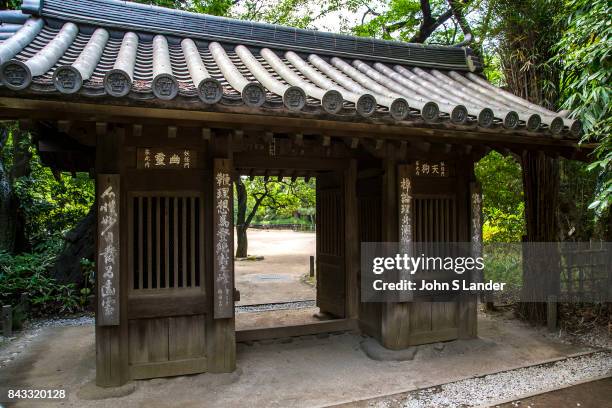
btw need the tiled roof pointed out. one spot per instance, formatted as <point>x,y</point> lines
<point>127,50</point>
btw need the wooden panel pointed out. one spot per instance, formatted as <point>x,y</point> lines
<point>168,368</point>
<point>108,265</point>
<point>167,304</point>
<point>187,337</point>
<point>331,287</point>
<point>420,317</point>
<point>223,243</point>
<point>148,340</point>
<point>443,315</point>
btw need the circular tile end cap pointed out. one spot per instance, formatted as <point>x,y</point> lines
<point>332,101</point>
<point>430,112</point>
<point>165,87</point>
<point>210,91</point>
<point>486,118</point>
<point>399,109</point>
<point>15,75</point>
<point>459,115</point>
<point>294,98</point>
<point>534,122</point>
<point>67,79</point>
<point>556,126</point>
<point>254,94</point>
<point>511,121</point>
<point>117,83</point>
<point>366,105</point>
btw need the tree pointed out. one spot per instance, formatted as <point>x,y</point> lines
<point>584,50</point>
<point>255,197</point>
<point>417,21</point>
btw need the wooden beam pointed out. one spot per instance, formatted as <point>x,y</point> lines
<point>298,139</point>
<point>279,178</point>
<point>206,134</point>
<point>101,128</point>
<point>238,136</point>
<point>266,175</point>
<point>354,142</point>
<point>252,174</point>
<point>403,149</point>
<point>326,141</point>
<point>137,130</point>
<point>294,176</point>
<point>230,117</point>
<point>64,125</point>
<point>268,137</point>
<point>172,130</point>
<point>379,144</point>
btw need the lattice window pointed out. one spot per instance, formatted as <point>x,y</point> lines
<point>166,241</point>
<point>435,220</point>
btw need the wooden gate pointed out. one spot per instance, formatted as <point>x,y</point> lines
<point>166,296</point>
<point>331,291</point>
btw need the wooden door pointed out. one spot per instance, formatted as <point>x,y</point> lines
<point>330,244</point>
<point>166,297</point>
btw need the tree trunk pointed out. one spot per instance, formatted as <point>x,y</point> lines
<point>79,245</point>
<point>241,225</point>
<point>7,212</point>
<point>12,234</point>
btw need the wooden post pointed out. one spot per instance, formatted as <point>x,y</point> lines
<point>111,330</point>
<point>222,240</point>
<point>312,266</point>
<point>351,241</point>
<point>7,321</point>
<point>395,321</point>
<point>551,313</point>
<point>221,333</point>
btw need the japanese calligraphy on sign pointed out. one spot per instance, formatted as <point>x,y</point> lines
<point>223,241</point>
<point>405,207</point>
<point>429,169</point>
<point>157,158</point>
<point>108,250</point>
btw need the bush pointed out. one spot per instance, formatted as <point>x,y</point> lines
<point>27,273</point>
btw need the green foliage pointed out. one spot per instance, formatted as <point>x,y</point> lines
<point>27,273</point>
<point>283,201</point>
<point>502,190</point>
<point>51,206</point>
<point>584,51</point>
<point>503,263</point>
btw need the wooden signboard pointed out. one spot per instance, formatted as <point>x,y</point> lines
<point>108,265</point>
<point>405,208</point>
<point>150,158</point>
<point>223,240</point>
<point>431,169</point>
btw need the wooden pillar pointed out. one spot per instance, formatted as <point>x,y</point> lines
<point>111,311</point>
<point>395,323</point>
<point>541,187</point>
<point>221,335</point>
<point>351,241</point>
<point>468,302</point>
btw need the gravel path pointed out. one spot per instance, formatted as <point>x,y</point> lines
<point>483,391</point>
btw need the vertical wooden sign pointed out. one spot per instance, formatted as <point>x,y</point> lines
<point>405,209</point>
<point>108,263</point>
<point>223,240</point>
<point>476,227</point>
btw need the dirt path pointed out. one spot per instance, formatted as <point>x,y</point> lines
<point>278,277</point>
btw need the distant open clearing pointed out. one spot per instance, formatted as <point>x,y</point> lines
<point>279,276</point>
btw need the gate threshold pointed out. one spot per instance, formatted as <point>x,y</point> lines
<point>269,333</point>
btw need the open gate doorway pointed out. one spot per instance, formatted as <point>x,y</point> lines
<point>329,311</point>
